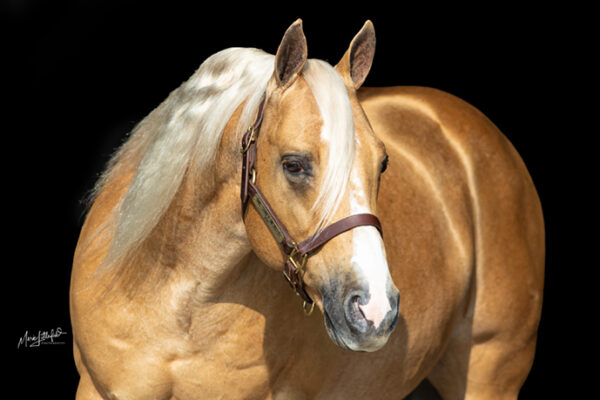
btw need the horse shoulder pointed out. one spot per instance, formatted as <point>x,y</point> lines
<point>504,302</point>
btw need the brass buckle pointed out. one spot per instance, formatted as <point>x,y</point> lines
<point>299,267</point>
<point>312,308</point>
<point>252,139</point>
<point>299,270</point>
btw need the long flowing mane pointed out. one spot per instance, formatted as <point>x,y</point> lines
<point>185,131</point>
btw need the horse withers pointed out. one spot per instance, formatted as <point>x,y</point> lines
<point>430,267</point>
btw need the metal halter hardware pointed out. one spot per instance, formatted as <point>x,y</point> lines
<point>296,253</point>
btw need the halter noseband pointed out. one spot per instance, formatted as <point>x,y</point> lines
<point>296,253</point>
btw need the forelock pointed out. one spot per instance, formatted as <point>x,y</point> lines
<point>337,133</point>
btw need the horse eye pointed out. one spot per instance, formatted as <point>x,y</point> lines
<point>384,164</point>
<point>293,167</point>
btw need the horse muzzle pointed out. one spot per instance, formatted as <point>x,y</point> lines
<point>353,324</point>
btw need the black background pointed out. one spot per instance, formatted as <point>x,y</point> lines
<point>82,74</point>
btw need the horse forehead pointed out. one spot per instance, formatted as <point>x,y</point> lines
<point>299,112</point>
<point>299,99</point>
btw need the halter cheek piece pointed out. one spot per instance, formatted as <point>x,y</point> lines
<point>296,253</point>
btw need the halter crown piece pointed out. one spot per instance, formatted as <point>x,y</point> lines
<point>296,253</point>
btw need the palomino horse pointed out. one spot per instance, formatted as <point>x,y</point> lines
<point>176,294</point>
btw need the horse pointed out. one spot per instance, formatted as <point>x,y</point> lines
<point>401,215</point>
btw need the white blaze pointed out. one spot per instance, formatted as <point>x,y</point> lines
<point>368,258</point>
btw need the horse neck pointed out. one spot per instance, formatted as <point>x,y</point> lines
<point>216,240</point>
<point>203,236</point>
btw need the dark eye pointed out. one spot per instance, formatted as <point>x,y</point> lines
<point>384,164</point>
<point>292,166</point>
<point>297,168</point>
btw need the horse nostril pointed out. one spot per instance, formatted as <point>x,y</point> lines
<point>354,316</point>
<point>359,323</point>
<point>355,304</point>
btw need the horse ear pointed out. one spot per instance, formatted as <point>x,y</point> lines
<point>291,55</point>
<point>358,59</point>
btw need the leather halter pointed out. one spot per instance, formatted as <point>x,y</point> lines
<point>296,253</point>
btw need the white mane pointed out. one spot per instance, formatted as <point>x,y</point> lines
<point>188,126</point>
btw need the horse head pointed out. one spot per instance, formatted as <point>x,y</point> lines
<point>318,161</point>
